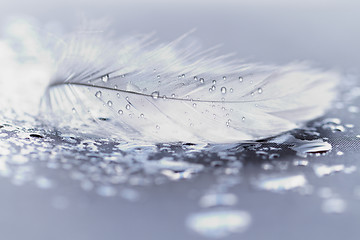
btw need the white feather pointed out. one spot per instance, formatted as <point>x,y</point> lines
<point>132,89</point>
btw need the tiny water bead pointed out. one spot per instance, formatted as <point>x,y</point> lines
<point>224,77</point>
<point>241,79</point>
<point>223,90</point>
<point>214,82</point>
<point>109,103</point>
<point>127,106</point>
<point>98,94</point>
<point>219,224</point>
<point>260,90</point>
<point>280,183</point>
<point>195,78</point>
<point>217,199</point>
<point>120,112</point>
<point>155,95</point>
<point>334,205</point>
<point>353,109</point>
<point>201,80</point>
<point>105,78</point>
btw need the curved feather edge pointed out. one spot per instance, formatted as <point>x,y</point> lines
<point>133,89</point>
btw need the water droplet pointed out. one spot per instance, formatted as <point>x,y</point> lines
<point>218,199</point>
<point>202,80</point>
<point>130,194</point>
<point>109,103</point>
<point>224,77</point>
<point>325,192</point>
<point>73,110</point>
<point>260,90</point>
<point>118,95</point>
<point>213,82</point>
<point>183,75</point>
<point>105,78</point>
<point>340,153</point>
<point>127,106</point>
<point>115,86</point>
<point>219,224</point>
<point>213,87</point>
<point>231,90</point>
<point>243,118</point>
<point>195,78</point>
<point>173,95</point>
<point>194,104</point>
<point>324,170</point>
<point>157,127</point>
<point>223,90</point>
<point>158,76</point>
<point>241,79</point>
<point>142,115</point>
<point>252,93</point>
<point>280,183</point>
<point>301,162</point>
<point>120,112</point>
<point>334,205</point>
<point>44,183</point>
<point>353,109</point>
<point>155,95</point>
<point>106,191</point>
<point>98,94</point>
<point>304,147</point>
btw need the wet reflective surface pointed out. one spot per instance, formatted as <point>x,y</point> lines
<point>305,179</point>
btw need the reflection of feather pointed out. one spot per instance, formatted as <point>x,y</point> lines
<point>136,91</point>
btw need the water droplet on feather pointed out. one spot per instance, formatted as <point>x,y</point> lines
<point>105,78</point>
<point>155,95</point>
<point>98,94</point>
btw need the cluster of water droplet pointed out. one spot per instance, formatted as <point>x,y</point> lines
<point>115,169</point>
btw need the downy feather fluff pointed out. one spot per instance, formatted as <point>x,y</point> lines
<point>136,90</point>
